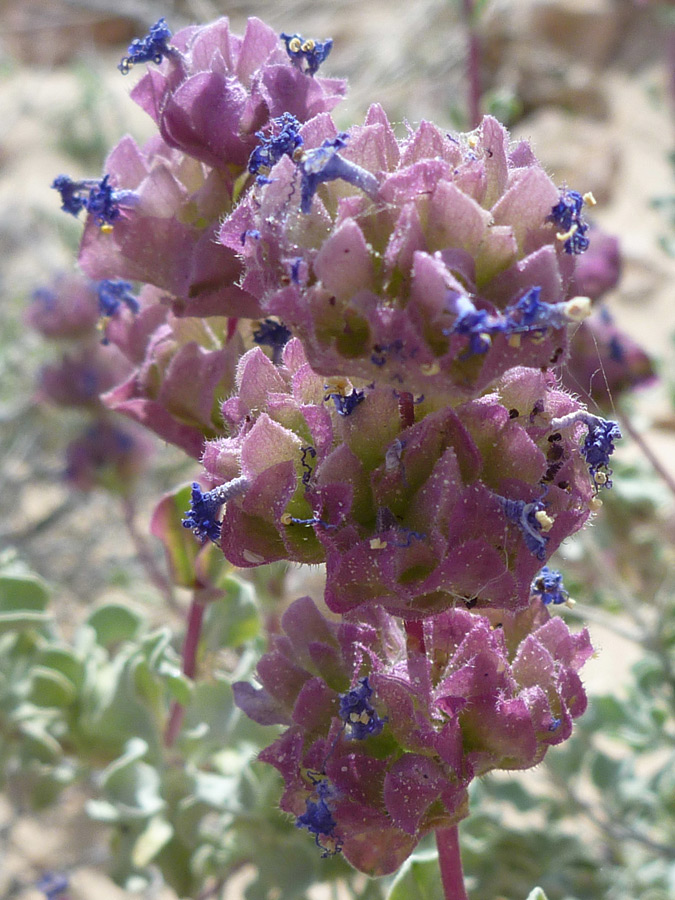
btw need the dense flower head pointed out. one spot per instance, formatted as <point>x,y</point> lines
<point>81,375</point>
<point>167,238</point>
<point>605,362</point>
<point>477,693</point>
<point>431,263</point>
<point>65,308</point>
<point>181,367</point>
<point>108,454</point>
<point>599,269</point>
<point>411,503</point>
<point>215,90</point>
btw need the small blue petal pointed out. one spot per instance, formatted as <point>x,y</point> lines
<point>324,164</point>
<point>201,517</point>
<point>358,714</point>
<point>548,586</point>
<point>284,140</point>
<point>346,404</point>
<point>567,214</point>
<point>151,48</point>
<point>523,515</point>
<point>272,334</point>
<point>112,294</point>
<point>311,52</point>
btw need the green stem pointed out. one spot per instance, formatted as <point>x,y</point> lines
<point>450,862</point>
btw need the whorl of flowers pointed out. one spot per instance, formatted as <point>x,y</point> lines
<point>452,504</point>
<point>383,737</point>
<point>394,411</point>
<point>154,215</point>
<point>434,263</point>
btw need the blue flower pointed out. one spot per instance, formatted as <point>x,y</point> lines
<point>532,520</point>
<point>318,817</point>
<point>345,404</point>
<point>358,714</point>
<point>205,507</point>
<point>53,885</point>
<point>112,294</point>
<point>598,444</point>
<point>598,447</point>
<point>272,334</point>
<point>151,48</point>
<point>97,196</point>
<point>548,586</point>
<point>528,314</point>
<point>201,517</point>
<point>324,163</point>
<point>283,141</point>
<point>310,51</point>
<point>567,214</point>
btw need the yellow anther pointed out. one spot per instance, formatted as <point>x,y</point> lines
<point>338,385</point>
<point>295,45</point>
<point>106,228</point>
<point>377,544</point>
<point>545,521</point>
<point>601,478</point>
<point>514,340</point>
<point>308,46</point>
<point>594,504</point>
<point>286,519</point>
<point>570,603</point>
<point>568,234</point>
<point>589,199</point>
<point>578,308</point>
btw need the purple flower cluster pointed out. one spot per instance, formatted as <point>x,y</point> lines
<point>361,338</point>
<point>383,735</point>
<point>78,313</point>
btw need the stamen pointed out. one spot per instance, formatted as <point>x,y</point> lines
<point>311,52</point>
<point>151,48</point>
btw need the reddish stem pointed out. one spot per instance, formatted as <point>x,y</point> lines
<point>190,645</point>
<point>406,408</point>
<point>450,862</point>
<point>660,469</point>
<point>472,64</point>
<point>415,633</point>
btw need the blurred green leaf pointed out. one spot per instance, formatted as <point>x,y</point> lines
<point>114,623</point>
<point>419,878</point>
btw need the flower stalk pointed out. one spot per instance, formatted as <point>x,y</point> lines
<point>450,862</point>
